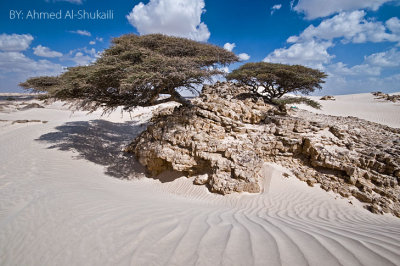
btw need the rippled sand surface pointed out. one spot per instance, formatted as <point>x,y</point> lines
<point>65,200</point>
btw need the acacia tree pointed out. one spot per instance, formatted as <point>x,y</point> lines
<point>272,81</point>
<point>135,71</point>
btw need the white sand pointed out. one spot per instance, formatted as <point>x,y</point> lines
<point>363,105</point>
<point>59,207</point>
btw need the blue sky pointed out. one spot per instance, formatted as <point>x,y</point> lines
<point>357,43</point>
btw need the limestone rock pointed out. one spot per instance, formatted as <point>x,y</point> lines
<point>227,136</point>
<point>328,97</point>
<point>201,179</point>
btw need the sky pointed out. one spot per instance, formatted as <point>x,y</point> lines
<point>357,42</point>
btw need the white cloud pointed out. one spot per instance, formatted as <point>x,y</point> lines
<point>243,57</point>
<point>393,25</point>
<point>389,58</point>
<point>378,71</point>
<point>15,42</point>
<point>352,27</point>
<point>367,76</point>
<point>17,62</point>
<point>362,70</point>
<point>338,83</point>
<point>45,52</point>
<point>81,32</point>
<point>15,67</point>
<point>275,8</point>
<point>345,85</point>
<point>82,56</point>
<point>322,8</point>
<point>180,18</point>
<point>310,53</point>
<point>229,46</point>
<point>81,59</point>
<point>98,39</point>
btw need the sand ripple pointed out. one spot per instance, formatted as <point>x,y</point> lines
<point>58,207</point>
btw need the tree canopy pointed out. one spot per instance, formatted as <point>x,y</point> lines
<point>272,81</point>
<point>135,71</point>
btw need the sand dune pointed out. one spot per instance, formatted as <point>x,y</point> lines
<point>65,199</point>
<point>363,105</point>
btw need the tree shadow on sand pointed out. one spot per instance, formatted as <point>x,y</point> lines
<point>101,142</point>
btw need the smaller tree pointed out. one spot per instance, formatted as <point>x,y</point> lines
<point>272,81</point>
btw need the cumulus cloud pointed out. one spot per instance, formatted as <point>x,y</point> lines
<point>322,8</point>
<point>345,85</point>
<point>45,52</point>
<point>243,57</point>
<point>275,8</point>
<point>358,79</point>
<point>12,60</point>
<point>82,59</point>
<point>15,67</point>
<point>15,42</point>
<point>389,58</point>
<point>82,56</point>
<point>81,32</point>
<point>312,46</point>
<point>351,27</point>
<point>361,70</point>
<point>367,76</point>
<point>180,18</point>
<point>310,53</point>
<point>229,46</point>
<point>98,39</point>
<point>393,25</point>
<point>17,62</point>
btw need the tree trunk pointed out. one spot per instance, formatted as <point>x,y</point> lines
<point>178,98</point>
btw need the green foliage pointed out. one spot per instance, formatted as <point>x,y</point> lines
<point>41,84</point>
<point>134,71</point>
<point>272,81</point>
<point>296,100</point>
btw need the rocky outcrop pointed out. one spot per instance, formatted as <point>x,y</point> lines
<point>328,98</point>
<point>226,137</point>
<point>209,140</point>
<point>387,97</point>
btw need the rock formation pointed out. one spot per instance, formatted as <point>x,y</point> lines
<point>226,137</point>
<point>328,98</point>
<point>387,97</point>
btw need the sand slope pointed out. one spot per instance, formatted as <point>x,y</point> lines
<point>363,105</point>
<point>64,201</point>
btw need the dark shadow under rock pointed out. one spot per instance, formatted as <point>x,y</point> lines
<point>168,176</point>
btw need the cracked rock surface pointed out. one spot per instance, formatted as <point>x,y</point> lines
<point>226,137</point>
